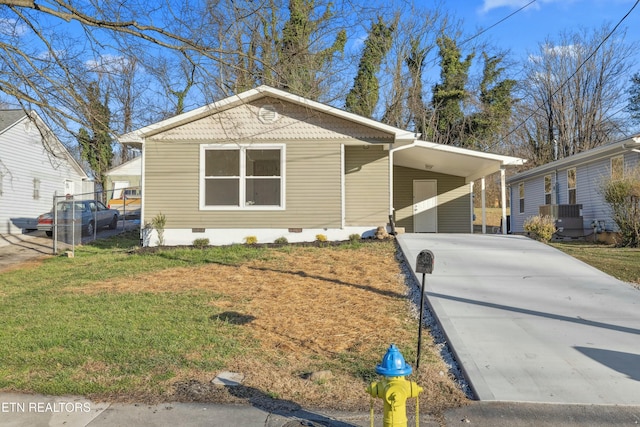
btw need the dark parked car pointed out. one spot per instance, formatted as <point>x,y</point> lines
<point>91,214</point>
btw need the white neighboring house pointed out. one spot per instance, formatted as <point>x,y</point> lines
<point>34,165</point>
<point>569,189</point>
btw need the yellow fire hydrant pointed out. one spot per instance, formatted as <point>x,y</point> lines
<point>394,389</point>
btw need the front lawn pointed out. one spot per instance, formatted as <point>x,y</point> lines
<point>120,323</point>
<point>622,263</point>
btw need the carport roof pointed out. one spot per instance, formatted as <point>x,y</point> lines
<point>451,160</point>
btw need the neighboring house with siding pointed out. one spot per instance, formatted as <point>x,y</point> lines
<point>569,188</point>
<point>270,164</point>
<point>127,174</point>
<point>34,165</point>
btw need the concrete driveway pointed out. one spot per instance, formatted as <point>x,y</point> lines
<point>19,248</point>
<point>528,323</point>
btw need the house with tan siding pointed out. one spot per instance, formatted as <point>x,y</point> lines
<point>568,189</point>
<point>270,164</point>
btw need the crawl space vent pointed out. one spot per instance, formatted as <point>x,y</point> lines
<point>268,114</point>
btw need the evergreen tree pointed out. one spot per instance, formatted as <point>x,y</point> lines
<point>417,110</point>
<point>299,66</point>
<point>363,97</point>
<point>95,142</point>
<point>496,102</point>
<point>449,95</point>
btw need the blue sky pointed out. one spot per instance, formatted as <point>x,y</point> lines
<point>522,32</point>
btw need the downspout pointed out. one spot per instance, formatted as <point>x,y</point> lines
<point>557,188</point>
<point>144,193</point>
<point>391,209</point>
<point>343,212</point>
<point>391,151</point>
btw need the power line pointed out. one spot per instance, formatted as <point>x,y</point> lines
<point>568,79</point>
<point>497,23</point>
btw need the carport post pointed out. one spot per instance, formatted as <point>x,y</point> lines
<point>424,265</point>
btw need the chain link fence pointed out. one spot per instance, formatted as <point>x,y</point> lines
<point>76,219</point>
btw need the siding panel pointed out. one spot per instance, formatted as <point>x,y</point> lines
<point>366,186</point>
<point>312,185</point>
<point>454,201</point>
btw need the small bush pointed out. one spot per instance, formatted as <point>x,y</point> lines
<point>281,241</point>
<point>158,222</point>
<point>355,237</point>
<point>321,238</point>
<point>541,227</point>
<point>251,240</point>
<point>623,197</point>
<point>201,243</point>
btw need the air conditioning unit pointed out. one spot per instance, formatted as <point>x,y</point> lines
<point>568,218</point>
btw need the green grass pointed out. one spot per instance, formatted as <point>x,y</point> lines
<point>622,263</point>
<point>56,340</point>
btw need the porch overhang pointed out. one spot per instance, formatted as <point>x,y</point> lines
<point>450,160</point>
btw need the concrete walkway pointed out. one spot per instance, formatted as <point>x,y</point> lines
<point>20,410</point>
<point>528,323</point>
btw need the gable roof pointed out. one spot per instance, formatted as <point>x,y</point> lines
<point>409,151</point>
<point>603,151</point>
<point>11,118</point>
<point>138,136</point>
<point>130,167</point>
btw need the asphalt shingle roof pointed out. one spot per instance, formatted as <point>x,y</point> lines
<point>9,117</point>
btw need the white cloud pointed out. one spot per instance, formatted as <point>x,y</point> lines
<point>488,5</point>
<point>107,64</point>
<point>11,28</point>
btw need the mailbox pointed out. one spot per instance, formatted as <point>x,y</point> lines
<point>424,263</point>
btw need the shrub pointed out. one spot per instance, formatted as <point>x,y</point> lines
<point>251,240</point>
<point>158,222</point>
<point>281,241</point>
<point>541,227</point>
<point>201,243</point>
<point>355,237</point>
<point>623,197</point>
<point>321,238</point>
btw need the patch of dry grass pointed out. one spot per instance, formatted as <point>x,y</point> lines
<point>309,309</point>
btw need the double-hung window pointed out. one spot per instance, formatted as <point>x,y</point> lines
<point>548,189</point>
<point>521,196</point>
<point>237,176</point>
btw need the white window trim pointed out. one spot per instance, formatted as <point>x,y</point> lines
<point>521,196</point>
<point>550,193</point>
<point>242,148</point>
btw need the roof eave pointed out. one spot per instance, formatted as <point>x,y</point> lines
<point>138,136</point>
<point>622,146</point>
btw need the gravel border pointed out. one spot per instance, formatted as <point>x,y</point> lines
<point>430,321</point>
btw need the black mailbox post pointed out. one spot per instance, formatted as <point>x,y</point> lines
<point>424,265</point>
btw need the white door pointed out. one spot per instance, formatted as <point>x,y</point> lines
<point>425,206</point>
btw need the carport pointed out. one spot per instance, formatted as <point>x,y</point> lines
<point>447,159</point>
<point>529,323</point>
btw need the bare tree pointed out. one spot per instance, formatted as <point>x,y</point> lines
<point>571,93</point>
